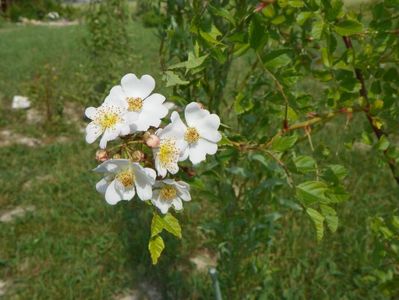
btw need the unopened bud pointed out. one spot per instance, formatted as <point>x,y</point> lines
<point>116,156</point>
<point>152,141</point>
<point>137,156</point>
<point>101,155</point>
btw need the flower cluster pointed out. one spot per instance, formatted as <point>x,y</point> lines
<point>132,114</point>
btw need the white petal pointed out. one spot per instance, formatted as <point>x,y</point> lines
<point>162,206</point>
<point>143,183</point>
<point>128,193</point>
<point>151,173</point>
<point>109,135</point>
<point>207,128</point>
<point>153,104</point>
<point>184,190</point>
<point>184,154</point>
<point>194,114</point>
<point>124,129</point>
<point>177,204</point>
<point>130,117</point>
<point>112,165</point>
<point>90,112</point>
<point>173,168</point>
<point>102,185</point>
<point>199,150</point>
<point>134,87</point>
<point>111,195</point>
<point>116,97</point>
<point>176,128</point>
<point>93,131</point>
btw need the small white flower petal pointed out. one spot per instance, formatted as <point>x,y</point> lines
<point>208,127</point>
<point>116,97</point>
<point>184,190</point>
<point>108,135</point>
<point>194,114</point>
<point>90,112</point>
<point>111,195</point>
<point>93,131</point>
<point>112,165</point>
<point>177,204</point>
<point>102,185</point>
<point>143,182</point>
<point>134,87</point>
<point>199,150</point>
<point>128,193</point>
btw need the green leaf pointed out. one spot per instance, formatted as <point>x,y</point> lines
<point>331,217</point>
<point>283,143</point>
<point>257,33</point>
<point>304,164</point>
<point>242,104</point>
<point>317,29</point>
<point>348,27</point>
<point>318,221</point>
<point>311,192</point>
<point>296,3</point>
<point>221,12</point>
<point>303,17</point>
<point>167,222</point>
<point>173,79</point>
<point>212,35</point>
<point>156,225</point>
<point>171,224</point>
<point>276,59</point>
<point>383,143</point>
<point>156,246</point>
<point>325,57</point>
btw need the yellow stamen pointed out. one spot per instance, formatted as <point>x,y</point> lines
<point>168,193</point>
<point>168,152</point>
<point>135,104</point>
<point>191,135</point>
<point>126,178</point>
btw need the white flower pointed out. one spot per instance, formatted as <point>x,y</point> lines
<point>169,193</point>
<point>144,108</point>
<point>123,178</point>
<point>201,135</point>
<point>110,119</point>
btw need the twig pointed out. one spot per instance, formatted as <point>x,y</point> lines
<point>363,93</point>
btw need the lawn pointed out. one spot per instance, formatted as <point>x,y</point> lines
<point>71,245</point>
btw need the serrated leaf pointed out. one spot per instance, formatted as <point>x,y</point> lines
<point>242,104</point>
<point>221,12</point>
<point>311,192</point>
<point>257,33</point>
<point>276,59</point>
<point>304,164</point>
<point>156,225</point>
<point>318,221</point>
<point>296,3</point>
<point>212,35</point>
<point>156,246</point>
<point>348,27</point>
<point>330,216</point>
<point>283,143</point>
<point>171,224</point>
<point>173,79</point>
<point>383,143</point>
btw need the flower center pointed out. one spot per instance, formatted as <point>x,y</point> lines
<point>168,193</point>
<point>135,104</point>
<point>168,152</point>
<point>191,135</point>
<point>126,178</point>
<point>108,117</point>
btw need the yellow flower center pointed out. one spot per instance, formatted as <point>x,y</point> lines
<point>191,135</point>
<point>108,117</point>
<point>126,178</point>
<point>135,104</point>
<point>168,193</point>
<point>168,152</point>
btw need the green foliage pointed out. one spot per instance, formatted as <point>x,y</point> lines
<point>276,76</point>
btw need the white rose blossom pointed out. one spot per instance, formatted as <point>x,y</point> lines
<point>110,120</point>
<point>200,136</point>
<point>143,108</point>
<point>168,193</point>
<point>123,179</point>
<point>168,152</point>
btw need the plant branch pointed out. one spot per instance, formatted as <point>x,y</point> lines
<point>363,93</point>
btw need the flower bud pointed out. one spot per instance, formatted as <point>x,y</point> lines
<point>137,156</point>
<point>116,156</point>
<point>152,141</point>
<point>101,155</point>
